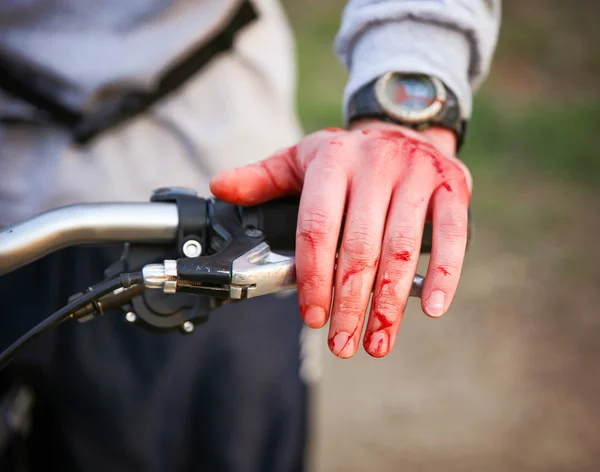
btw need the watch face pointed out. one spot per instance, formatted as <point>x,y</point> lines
<point>412,98</point>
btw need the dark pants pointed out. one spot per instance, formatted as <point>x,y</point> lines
<point>113,397</point>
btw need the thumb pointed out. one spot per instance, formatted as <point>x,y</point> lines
<point>276,176</point>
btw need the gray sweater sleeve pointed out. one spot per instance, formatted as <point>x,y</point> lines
<point>451,39</point>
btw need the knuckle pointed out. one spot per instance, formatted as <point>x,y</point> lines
<point>381,148</point>
<point>331,162</point>
<point>401,241</point>
<point>333,153</point>
<point>388,306</point>
<point>453,226</point>
<point>360,243</point>
<point>444,275</point>
<point>448,267</point>
<point>314,281</point>
<point>349,308</point>
<point>411,207</point>
<point>315,225</point>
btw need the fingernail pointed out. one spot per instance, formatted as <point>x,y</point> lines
<point>314,316</point>
<point>342,345</point>
<point>436,304</point>
<point>378,344</point>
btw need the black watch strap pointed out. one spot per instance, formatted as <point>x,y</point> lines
<point>364,104</point>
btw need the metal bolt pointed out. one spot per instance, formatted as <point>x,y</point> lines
<point>188,326</point>
<point>192,248</point>
<point>254,233</point>
<point>131,317</point>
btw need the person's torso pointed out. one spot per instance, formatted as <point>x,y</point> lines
<point>89,45</point>
<point>238,109</point>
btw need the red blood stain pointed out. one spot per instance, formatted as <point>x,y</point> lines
<point>367,340</point>
<point>402,256</point>
<point>353,271</point>
<point>349,338</point>
<point>330,342</point>
<point>379,348</point>
<point>365,132</point>
<point>367,344</point>
<point>383,321</point>
<point>356,269</point>
<point>338,143</point>
<point>446,185</point>
<point>412,152</point>
<point>384,282</point>
<point>437,165</point>
<point>443,270</point>
<point>309,238</point>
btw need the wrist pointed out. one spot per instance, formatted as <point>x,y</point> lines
<point>416,101</point>
<point>409,46</point>
<point>442,139</point>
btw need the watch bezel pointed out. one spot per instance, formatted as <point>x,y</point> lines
<point>402,114</point>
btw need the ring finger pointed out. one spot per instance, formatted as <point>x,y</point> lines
<point>357,263</point>
<point>401,246</point>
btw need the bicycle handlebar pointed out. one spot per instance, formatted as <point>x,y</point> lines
<point>177,243</point>
<point>155,222</point>
<point>92,223</point>
<point>277,219</point>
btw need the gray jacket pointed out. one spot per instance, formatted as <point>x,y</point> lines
<point>89,45</point>
<point>238,110</point>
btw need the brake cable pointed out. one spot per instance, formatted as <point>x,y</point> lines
<point>66,312</point>
<point>183,257</point>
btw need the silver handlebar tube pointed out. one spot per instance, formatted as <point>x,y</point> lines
<point>90,223</point>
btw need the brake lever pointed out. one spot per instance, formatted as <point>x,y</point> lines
<point>262,272</point>
<point>257,272</point>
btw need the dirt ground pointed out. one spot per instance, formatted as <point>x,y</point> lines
<point>507,380</point>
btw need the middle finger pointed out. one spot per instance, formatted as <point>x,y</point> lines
<point>357,261</point>
<point>400,255</point>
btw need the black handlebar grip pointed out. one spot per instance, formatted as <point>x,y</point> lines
<point>278,219</point>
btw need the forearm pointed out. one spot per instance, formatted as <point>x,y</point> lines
<point>451,39</point>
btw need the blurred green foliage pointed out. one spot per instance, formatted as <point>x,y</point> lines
<point>539,110</point>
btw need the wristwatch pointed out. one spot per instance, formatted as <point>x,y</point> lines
<point>413,100</point>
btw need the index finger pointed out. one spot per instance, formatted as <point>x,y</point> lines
<point>320,216</point>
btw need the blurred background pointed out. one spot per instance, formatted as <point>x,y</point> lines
<point>508,379</point>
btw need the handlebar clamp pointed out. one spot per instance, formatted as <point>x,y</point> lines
<point>216,255</point>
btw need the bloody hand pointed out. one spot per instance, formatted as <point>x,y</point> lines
<point>387,180</point>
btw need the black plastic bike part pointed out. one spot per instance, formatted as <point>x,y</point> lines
<point>278,220</point>
<point>63,314</point>
<point>153,309</point>
<point>211,274</point>
<point>193,215</point>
